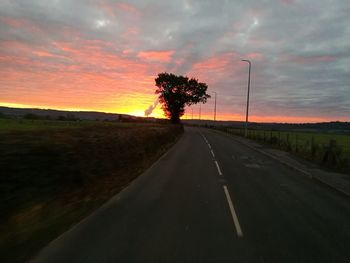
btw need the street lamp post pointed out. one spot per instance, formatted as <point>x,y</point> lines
<point>215,107</point>
<point>246,116</point>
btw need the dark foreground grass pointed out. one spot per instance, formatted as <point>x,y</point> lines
<point>52,178</point>
<point>30,125</point>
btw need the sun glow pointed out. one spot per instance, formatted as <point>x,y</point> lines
<point>137,110</point>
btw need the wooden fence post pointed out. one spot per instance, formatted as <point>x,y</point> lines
<point>330,157</point>
<point>279,139</point>
<point>271,137</point>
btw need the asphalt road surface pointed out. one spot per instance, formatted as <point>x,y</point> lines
<point>212,199</point>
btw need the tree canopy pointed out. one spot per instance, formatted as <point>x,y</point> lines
<point>175,92</point>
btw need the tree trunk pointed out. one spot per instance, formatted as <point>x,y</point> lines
<point>175,119</point>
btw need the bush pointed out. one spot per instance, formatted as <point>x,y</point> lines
<point>31,116</point>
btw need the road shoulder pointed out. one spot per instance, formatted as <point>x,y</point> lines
<point>336,181</point>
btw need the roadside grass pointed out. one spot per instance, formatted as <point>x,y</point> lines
<point>54,173</point>
<point>304,139</point>
<point>329,150</point>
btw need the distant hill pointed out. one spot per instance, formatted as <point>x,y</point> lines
<point>327,127</point>
<point>61,114</point>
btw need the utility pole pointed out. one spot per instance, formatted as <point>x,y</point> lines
<point>215,107</point>
<point>246,116</point>
<point>192,112</point>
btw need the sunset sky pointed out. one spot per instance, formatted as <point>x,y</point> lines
<point>103,55</point>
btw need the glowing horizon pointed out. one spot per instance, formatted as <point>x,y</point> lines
<point>158,113</point>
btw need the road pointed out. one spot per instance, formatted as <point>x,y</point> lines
<point>213,199</point>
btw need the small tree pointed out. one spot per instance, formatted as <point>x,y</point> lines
<point>175,92</point>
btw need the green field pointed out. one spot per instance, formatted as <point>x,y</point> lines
<point>318,147</point>
<point>54,173</point>
<point>303,139</point>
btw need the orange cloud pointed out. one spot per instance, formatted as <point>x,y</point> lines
<point>12,22</point>
<point>308,59</point>
<point>215,67</point>
<point>255,56</point>
<point>162,56</point>
<point>217,63</point>
<point>21,23</point>
<point>88,75</point>
<point>131,31</point>
<point>128,8</point>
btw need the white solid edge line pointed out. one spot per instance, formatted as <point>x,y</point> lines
<point>233,213</point>
<point>212,153</point>
<point>205,139</point>
<point>218,167</point>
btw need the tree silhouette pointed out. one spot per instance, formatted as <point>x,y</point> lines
<point>175,92</point>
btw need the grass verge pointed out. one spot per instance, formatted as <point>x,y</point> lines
<point>51,178</point>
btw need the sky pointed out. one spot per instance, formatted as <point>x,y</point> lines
<point>104,55</point>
